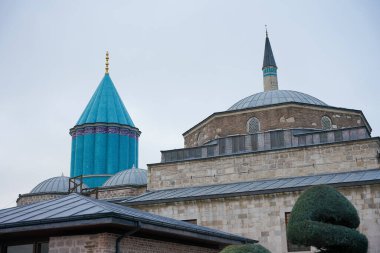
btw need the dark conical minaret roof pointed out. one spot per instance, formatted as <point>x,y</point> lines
<point>268,54</point>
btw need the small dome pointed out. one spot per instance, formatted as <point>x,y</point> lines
<point>54,184</point>
<point>134,176</point>
<point>275,97</point>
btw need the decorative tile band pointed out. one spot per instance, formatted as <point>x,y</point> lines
<point>104,130</point>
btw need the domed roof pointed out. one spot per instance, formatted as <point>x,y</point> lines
<point>106,106</point>
<point>275,97</point>
<point>132,176</point>
<point>54,184</point>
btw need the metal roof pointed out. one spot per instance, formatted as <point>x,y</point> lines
<point>268,55</point>
<point>54,184</point>
<point>105,106</point>
<point>133,176</point>
<point>74,206</point>
<point>275,97</point>
<point>255,187</point>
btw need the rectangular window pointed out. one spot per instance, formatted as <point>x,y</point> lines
<point>338,135</point>
<point>222,146</point>
<point>24,248</point>
<point>277,139</point>
<point>254,142</point>
<point>238,144</point>
<point>210,151</point>
<point>302,140</point>
<point>36,247</point>
<point>323,137</point>
<point>293,247</point>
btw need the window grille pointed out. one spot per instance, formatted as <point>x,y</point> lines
<point>326,123</point>
<point>253,125</point>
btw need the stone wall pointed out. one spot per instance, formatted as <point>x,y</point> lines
<point>292,162</point>
<point>26,199</point>
<point>119,192</point>
<point>105,243</point>
<point>271,118</point>
<point>262,217</point>
<point>103,193</point>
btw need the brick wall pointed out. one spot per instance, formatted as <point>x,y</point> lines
<point>262,217</point>
<point>278,117</point>
<point>338,157</point>
<point>105,243</point>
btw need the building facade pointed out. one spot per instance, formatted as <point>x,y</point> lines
<point>240,171</point>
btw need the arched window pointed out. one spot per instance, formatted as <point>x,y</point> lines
<point>253,125</point>
<point>326,123</point>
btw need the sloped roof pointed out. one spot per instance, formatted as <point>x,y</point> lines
<point>255,187</point>
<point>76,207</point>
<point>268,55</point>
<point>106,106</point>
<point>133,177</point>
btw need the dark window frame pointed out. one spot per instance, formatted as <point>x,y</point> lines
<point>36,245</point>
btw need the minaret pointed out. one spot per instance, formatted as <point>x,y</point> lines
<point>104,140</point>
<point>269,67</point>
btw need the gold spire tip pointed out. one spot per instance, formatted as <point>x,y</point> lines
<point>107,62</point>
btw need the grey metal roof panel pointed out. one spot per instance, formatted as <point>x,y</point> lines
<point>75,206</point>
<point>267,186</point>
<point>275,97</point>
<point>54,184</point>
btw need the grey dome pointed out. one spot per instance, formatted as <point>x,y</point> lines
<point>54,184</point>
<point>275,97</point>
<point>132,176</point>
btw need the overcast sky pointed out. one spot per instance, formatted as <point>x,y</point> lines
<point>173,62</point>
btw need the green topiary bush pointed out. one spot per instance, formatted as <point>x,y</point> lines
<point>322,217</point>
<point>246,248</point>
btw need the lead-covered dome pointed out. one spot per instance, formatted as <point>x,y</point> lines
<point>132,177</point>
<point>275,97</point>
<point>54,184</point>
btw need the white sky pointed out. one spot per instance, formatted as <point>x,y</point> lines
<point>173,62</point>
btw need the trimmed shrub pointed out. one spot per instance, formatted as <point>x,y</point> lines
<point>246,248</point>
<point>322,217</point>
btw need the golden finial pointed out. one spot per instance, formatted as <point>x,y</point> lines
<point>107,63</point>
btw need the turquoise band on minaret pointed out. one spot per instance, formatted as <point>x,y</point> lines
<point>105,139</point>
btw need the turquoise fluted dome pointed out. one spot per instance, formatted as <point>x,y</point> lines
<point>54,185</point>
<point>104,140</point>
<point>132,177</point>
<point>106,106</point>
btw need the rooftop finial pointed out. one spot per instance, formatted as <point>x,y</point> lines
<point>107,63</point>
<point>266,31</point>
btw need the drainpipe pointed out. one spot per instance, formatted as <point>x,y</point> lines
<point>131,232</point>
